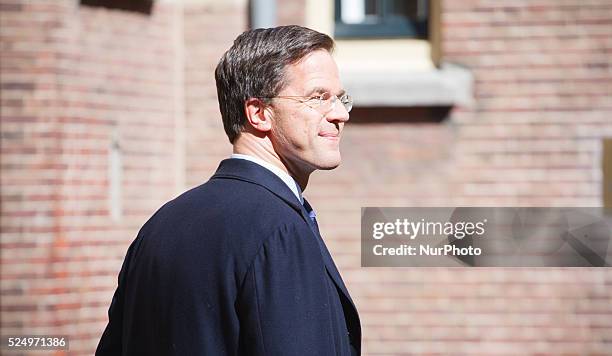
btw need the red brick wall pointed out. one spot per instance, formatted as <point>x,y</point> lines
<point>74,77</point>
<point>209,30</point>
<point>543,103</point>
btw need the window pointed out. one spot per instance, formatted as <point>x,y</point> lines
<point>381,18</point>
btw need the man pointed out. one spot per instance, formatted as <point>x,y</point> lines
<point>237,266</point>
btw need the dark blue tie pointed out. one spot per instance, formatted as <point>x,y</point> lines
<point>311,214</point>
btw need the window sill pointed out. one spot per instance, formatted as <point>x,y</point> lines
<point>451,85</point>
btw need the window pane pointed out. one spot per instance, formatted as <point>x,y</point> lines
<point>376,11</point>
<point>402,7</point>
<point>411,9</point>
<point>381,18</point>
<point>353,11</point>
<point>373,11</point>
<point>372,7</point>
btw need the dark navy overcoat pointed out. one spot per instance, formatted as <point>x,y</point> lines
<point>232,267</point>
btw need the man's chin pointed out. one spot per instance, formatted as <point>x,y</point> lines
<point>329,163</point>
<point>328,168</point>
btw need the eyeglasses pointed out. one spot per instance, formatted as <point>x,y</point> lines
<point>324,102</point>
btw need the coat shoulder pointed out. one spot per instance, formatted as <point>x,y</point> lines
<point>222,219</point>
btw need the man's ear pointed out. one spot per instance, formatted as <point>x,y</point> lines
<point>257,115</point>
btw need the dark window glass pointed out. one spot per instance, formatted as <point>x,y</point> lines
<point>381,18</point>
<point>142,6</point>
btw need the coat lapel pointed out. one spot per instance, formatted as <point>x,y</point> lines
<point>332,270</point>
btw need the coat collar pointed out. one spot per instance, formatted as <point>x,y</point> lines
<point>254,173</point>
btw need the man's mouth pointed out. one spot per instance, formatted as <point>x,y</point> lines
<point>329,135</point>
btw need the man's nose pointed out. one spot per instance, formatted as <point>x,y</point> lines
<point>338,112</point>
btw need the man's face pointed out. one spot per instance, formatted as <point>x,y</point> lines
<point>304,137</point>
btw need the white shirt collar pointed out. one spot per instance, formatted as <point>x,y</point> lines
<point>289,181</point>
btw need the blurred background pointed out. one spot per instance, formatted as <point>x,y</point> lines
<point>108,109</point>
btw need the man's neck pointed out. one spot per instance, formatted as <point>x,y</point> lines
<point>262,149</point>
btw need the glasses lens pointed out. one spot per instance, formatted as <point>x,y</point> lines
<point>347,101</point>
<point>326,102</point>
